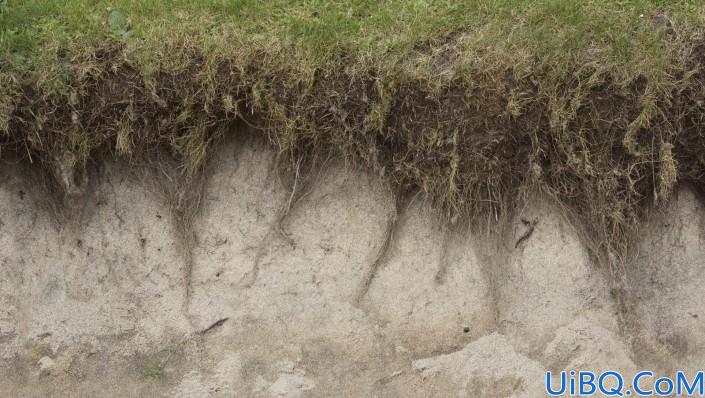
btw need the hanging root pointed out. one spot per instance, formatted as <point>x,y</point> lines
<point>381,254</point>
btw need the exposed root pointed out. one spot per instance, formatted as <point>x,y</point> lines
<point>249,279</point>
<point>381,254</point>
<point>183,191</point>
<point>213,326</point>
<point>601,144</point>
<point>275,230</point>
<point>530,226</point>
<point>298,193</point>
<point>293,188</point>
<point>294,197</point>
<point>439,279</point>
<point>183,212</point>
<point>188,337</point>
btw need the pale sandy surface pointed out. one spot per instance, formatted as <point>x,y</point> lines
<point>111,306</point>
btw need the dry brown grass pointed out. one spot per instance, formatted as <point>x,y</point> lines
<point>471,125</point>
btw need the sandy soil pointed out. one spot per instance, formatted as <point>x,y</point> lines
<point>109,304</point>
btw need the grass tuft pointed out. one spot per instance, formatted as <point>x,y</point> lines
<point>599,104</point>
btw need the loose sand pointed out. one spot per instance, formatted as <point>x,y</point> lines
<point>109,304</point>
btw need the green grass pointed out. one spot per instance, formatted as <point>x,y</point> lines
<point>472,102</point>
<point>153,371</point>
<point>385,32</point>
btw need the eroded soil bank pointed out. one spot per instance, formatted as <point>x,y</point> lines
<point>348,294</point>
